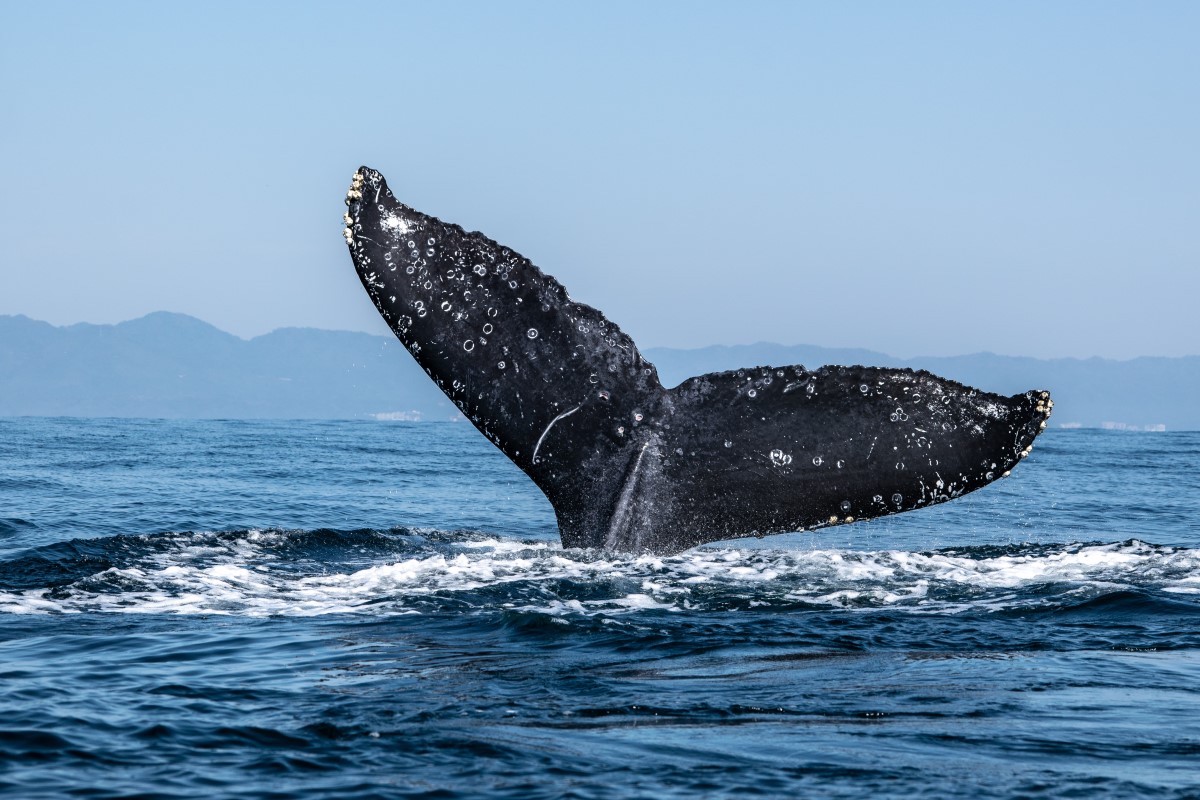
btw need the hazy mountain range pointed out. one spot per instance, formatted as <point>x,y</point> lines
<point>173,365</point>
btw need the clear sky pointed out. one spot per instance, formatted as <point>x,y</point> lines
<point>916,178</point>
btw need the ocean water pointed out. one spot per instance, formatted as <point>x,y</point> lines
<point>378,610</point>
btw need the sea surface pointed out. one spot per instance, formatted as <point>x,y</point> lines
<point>382,610</point>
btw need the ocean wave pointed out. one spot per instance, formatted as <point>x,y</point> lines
<point>14,525</point>
<point>310,573</point>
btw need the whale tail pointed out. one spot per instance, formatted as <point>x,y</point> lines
<point>630,465</point>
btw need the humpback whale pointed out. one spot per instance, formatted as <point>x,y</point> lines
<point>631,465</point>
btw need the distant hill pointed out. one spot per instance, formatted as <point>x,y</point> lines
<point>173,365</point>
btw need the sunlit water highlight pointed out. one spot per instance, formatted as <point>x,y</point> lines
<point>339,609</point>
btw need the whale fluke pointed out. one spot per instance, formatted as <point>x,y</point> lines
<point>630,465</point>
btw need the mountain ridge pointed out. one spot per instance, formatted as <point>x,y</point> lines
<point>172,365</point>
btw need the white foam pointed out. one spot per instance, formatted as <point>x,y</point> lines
<point>206,574</point>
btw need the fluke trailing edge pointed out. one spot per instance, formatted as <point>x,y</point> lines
<point>629,465</point>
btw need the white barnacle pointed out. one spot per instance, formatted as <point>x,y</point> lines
<point>396,224</point>
<point>780,458</point>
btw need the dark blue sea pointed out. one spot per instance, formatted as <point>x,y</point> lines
<point>382,610</point>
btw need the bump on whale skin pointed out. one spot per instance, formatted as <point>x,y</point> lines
<point>630,465</point>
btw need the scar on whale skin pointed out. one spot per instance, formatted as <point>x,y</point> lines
<point>631,465</point>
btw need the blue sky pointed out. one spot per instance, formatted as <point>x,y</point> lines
<point>917,178</point>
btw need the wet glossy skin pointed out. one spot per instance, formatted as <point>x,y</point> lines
<point>630,465</point>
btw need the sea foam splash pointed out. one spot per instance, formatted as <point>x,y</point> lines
<point>299,573</point>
